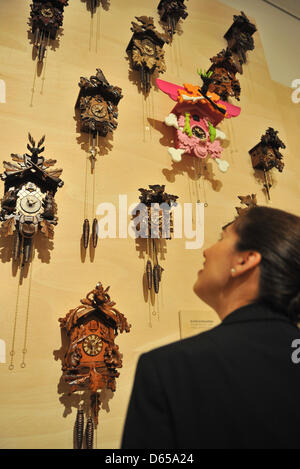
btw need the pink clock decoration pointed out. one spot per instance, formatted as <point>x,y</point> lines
<point>195,119</point>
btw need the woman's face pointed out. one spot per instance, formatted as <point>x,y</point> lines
<point>216,275</point>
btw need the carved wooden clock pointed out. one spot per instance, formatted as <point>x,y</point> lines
<point>240,40</point>
<point>171,11</point>
<point>28,204</point>
<point>92,357</point>
<point>46,18</point>
<point>223,79</point>
<point>145,50</point>
<point>97,103</point>
<point>266,155</point>
<point>157,223</point>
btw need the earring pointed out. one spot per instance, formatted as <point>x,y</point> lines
<point>233,271</point>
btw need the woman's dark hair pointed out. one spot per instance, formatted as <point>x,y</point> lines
<point>275,234</point>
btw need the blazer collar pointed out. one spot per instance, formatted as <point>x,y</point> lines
<point>255,312</point>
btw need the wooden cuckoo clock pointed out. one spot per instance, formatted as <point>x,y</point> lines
<point>266,155</point>
<point>28,205</point>
<point>92,357</point>
<point>145,50</point>
<point>240,40</point>
<point>195,119</point>
<point>46,19</point>
<point>97,104</point>
<point>223,79</point>
<point>157,223</point>
<point>171,11</point>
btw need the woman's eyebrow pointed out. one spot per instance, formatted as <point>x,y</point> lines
<point>226,226</point>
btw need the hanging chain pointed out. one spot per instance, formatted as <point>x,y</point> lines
<point>12,351</point>
<point>45,63</point>
<point>24,350</point>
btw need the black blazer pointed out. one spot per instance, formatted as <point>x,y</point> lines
<point>234,386</point>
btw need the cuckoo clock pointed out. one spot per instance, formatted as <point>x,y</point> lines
<point>195,118</point>
<point>156,223</point>
<point>46,19</point>
<point>145,50</point>
<point>171,11</point>
<point>98,106</point>
<point>266,155</point>
<point>240,40</point>
<point>28,205</point>
<point>92,357</point>
<point>223,80</point>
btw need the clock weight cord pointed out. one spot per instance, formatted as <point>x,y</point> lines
<point>24,350</point>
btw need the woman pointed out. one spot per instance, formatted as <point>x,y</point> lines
<point>236,385</point>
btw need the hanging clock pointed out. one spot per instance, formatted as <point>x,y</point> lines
<point>171,11</point>
<point>157,223</point>
<point>92,357</point>
<point>97,104</point>
<point>195,119</point>
<point>240,40</point>
<point>266,155</point>
<point>223,79</point>
<point>145,50</point>
<point>46,19</point>
<point>28,205</point>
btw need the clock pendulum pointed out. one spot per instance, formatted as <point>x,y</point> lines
<point>94,7</point>
<point>97,104</point>
<point>266,155</point>
<point>92,357</point>
<point>27,208</point>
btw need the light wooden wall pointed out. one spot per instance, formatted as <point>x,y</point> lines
<point>34,412</point>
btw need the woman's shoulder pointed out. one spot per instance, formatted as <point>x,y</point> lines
<point>202,343</point>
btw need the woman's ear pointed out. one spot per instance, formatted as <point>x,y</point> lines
<point>246,261</point>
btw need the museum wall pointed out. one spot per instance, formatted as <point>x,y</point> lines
<point>35,408</point>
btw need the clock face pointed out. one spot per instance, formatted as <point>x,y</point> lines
<point>47,12</point>
<point>30,200</point>
<point>148,47</point>
<point>99,110</point>
<point>92,345</point>
<point>198,132</point>
<point>30,204</point>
